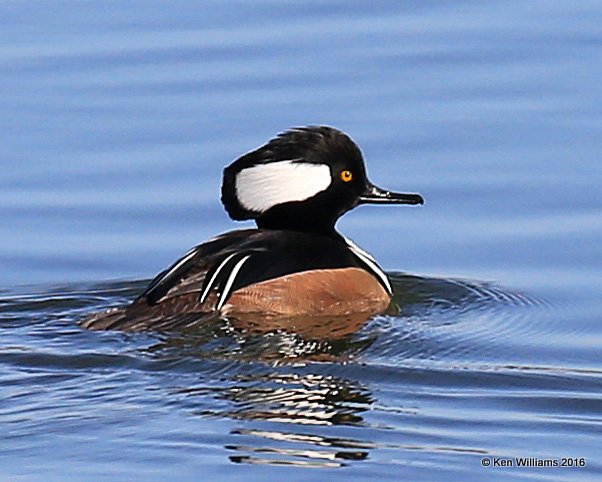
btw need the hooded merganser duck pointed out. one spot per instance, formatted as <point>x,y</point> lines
<point>295,264</point>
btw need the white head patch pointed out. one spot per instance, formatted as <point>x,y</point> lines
<point>261,187</point>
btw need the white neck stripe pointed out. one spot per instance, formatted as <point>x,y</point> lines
<point>371,262</point>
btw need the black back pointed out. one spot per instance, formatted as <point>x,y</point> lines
<point>269,254</point>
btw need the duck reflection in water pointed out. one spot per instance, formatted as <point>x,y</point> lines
<point>277,409</point>
<point>288,408</point>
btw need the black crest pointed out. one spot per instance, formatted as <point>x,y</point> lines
<point>313,144</point>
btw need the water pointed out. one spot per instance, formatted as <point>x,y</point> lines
<point>117,118</point>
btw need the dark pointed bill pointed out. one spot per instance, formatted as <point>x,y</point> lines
<point>376,195</point>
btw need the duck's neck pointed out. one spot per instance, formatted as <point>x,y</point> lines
<point>298,222</point>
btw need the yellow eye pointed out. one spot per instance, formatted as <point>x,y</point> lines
<point>346,176</point>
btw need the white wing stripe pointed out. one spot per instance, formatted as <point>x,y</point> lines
<point>226,292</point>
<point>186,257</point>
<point>189,255</point>
<point>212,280</point>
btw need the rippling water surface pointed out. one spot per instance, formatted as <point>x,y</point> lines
<point>117,118</point>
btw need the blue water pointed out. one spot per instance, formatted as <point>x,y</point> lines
<point>117,119</point>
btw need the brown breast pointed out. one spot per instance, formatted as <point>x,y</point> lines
<point>344,297</point>
<point>317,304</point>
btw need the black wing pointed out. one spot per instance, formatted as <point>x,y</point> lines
<point>221,266</point>
<point>198,259</point>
